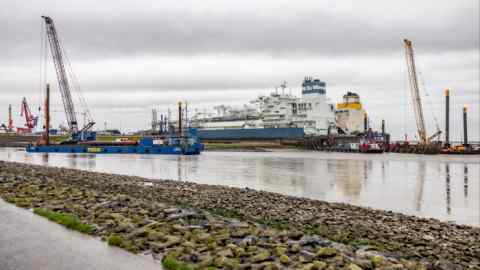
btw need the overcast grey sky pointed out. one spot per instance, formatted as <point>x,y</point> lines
<point>130,56</point>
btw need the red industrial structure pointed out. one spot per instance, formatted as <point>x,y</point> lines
<point>30,119</point>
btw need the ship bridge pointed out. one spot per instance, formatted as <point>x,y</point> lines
<point>350,101</point>
<point>312,86</point>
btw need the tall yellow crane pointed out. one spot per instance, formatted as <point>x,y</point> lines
<point>417,102</point>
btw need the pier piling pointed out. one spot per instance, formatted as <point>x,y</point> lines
<point>47,115</point>
<point>365,122</point>
<point>180,118</point>
<point>447,118</point>
<point>465,130</point>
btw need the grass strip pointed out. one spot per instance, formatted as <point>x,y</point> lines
<point>172,264</point>
<point>66,220</point>
<point>118,240</point>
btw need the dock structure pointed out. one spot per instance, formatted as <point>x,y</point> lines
<point>15,140</point>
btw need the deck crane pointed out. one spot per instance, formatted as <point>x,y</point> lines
<point>417,102</point>
<point>64,85</point>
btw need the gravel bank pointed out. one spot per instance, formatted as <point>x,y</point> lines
<point>232,228</point>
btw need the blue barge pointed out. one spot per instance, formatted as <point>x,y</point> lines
<point>189,145</point>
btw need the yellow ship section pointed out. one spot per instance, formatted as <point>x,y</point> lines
<point>354,106</point>
<point>94,150</point>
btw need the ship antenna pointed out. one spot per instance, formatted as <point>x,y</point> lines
<point>283,85</point>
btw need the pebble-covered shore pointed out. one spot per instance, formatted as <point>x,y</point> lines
<point>230,228</point>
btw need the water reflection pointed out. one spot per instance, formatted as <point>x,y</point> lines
<point>465,180</point>
<point>447,188</point>
<point>270,172</point>
<point>72,160</point>
<point>402,183</point>
<point>365,171</point>
<point>350,176</point>
<point>44,159</point>
<point>420,185</point>
<point>27,159</point>
<point>91,162</point>
<point>383,171</point>
<point>179,168</point>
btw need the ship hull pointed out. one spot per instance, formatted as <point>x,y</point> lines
<point>251,134</point>
<point>127,149</point>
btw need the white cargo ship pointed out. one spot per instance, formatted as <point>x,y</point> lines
<point>312,111</point>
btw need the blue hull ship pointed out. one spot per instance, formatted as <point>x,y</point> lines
<point>188,145</point>
<point>116,149</point>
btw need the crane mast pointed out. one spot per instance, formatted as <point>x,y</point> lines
<point>63,84</point>
<point>417,103</point>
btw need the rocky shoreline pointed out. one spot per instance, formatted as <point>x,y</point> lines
<point>194,226</point>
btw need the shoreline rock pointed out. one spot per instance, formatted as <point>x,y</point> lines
<point>232,228</point>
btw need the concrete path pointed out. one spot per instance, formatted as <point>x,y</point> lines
<point>30,242</point>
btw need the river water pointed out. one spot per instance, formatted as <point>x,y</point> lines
<point>442,187</point>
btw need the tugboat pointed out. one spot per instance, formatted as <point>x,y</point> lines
<point>372,143</point>
<point>370,147</point>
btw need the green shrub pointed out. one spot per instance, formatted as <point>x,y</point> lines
<point>66,220</point>
<point>115,240</point>
<point>172,264</point>
<point>119,241</point>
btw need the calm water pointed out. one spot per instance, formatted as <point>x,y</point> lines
<point>443,187</point>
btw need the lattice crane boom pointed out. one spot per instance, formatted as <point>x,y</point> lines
<point>417,102</point>
<point>63,84</point>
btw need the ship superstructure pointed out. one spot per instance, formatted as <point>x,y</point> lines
<point>314,112</point>
<point>276,110</point>
<point>227,117</point>
<point>350,114</point>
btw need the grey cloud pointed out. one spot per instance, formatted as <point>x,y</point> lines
<point>95,29</point>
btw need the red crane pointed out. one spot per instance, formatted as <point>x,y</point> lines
<point>30,119</point>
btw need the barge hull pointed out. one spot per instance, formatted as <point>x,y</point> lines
<point>94,149</point>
